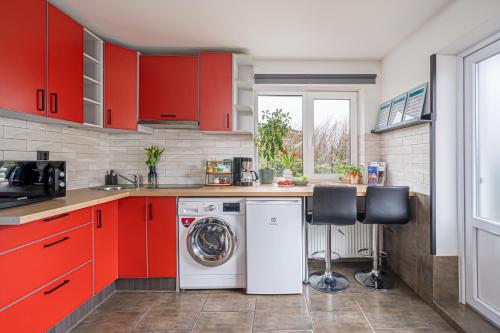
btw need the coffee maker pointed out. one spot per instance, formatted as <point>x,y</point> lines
<point>243,174</point>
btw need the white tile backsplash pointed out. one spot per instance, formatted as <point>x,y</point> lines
<point>407,153</point>
<point>89,154</point>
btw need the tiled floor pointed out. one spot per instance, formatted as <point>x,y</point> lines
<point>357,310</point>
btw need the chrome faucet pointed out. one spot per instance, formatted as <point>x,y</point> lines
<point>135,182</point>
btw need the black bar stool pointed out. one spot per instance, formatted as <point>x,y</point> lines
<point>332,205</point>
<point>384,205</point>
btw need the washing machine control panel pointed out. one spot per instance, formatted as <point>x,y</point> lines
<point>232,207</point>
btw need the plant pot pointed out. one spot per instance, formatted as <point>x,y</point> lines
<point>152,177</point>
<point>287,174</point>
<point>266,176</point>
<point>354,179</point>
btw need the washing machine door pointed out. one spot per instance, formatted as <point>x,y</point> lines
<point>210,241</point>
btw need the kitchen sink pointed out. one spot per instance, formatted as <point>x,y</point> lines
<point>112,187</point>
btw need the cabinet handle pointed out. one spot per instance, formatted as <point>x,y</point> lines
<point>168,115</point>
<point>99,218</point>
<point>56,287</point>
<point>227,120</point>
<point>109,116</point>
<point>53,103</point>
<point>56,242</point>
<point>53,218</point>
<point>40,99</point>
<point>150,212</point>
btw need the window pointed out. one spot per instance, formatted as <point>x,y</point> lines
<point>323,129</point>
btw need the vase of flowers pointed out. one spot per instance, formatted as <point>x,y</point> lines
<point>288,157</point>
<point>153,155</point>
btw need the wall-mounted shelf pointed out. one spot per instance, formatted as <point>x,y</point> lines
<point>402,125</point>
<point>93,57</point>
<point>243,95</point>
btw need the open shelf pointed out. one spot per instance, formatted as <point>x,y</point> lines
<point>244,108</point>
<point>89,80</point>
<point>88,59</point>
<point>91,101</point>
<point>243,94</point>
<point>93,56</point>
<point>402,125</point>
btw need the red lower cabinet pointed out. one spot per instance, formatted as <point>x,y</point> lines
<point>161,237</point>
<point>105,245</point>
<point>27,268</point>
<point>147,237</point>
<point>50,304</point>
<point>132,238</point>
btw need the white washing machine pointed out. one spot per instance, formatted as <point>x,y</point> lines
<point>211,238</point>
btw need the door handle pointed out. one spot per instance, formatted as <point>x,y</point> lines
<point>150,212</point>
<point>227,120</point>
<point>168,115</point>
<point>56,287</point>
<point>50,219</point>
<point>99,218</point>
<point>40,99</point>
<point>109,117</point>
<point>56,242</point>
<point>53,102</point>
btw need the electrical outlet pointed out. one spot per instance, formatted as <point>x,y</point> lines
<point>42,155</point>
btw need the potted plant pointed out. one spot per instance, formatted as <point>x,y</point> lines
<point>351,172</point>
<point>288,157</point>
<point>271,131</point>
<point>153,154</point>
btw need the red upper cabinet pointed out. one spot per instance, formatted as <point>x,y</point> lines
<point>65,67</point>
<point>120,87</point>
<point>161,223</point>
<point>22,59</point>
<point>168,88</point>
<point>216,91</point>
<point>105,245</point>
<point>132,237</point>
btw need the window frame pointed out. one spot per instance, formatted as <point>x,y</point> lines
<point>308,98</point>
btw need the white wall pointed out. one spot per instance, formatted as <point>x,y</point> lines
<point>457,27</point>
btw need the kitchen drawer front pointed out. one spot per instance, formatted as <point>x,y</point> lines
<point>17,235</point>
<point>50,304</point>
<point>30,267</point>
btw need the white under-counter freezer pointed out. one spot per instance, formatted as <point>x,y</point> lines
<point>274,245</point>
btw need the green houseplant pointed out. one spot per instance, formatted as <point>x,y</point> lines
<point>350,172</point>
<point>271,131</point>
<point>153,154</point>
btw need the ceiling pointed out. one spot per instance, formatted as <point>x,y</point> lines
<point>279,29</point>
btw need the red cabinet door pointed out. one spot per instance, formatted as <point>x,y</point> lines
<point>132,237</point>
<point>162,237</point>
<point>216,91</point>
<point>22,59</point>
<point>105,245</point>
<point>65,67</point>
<point>30,267</point>
<point>120,87</point>
<point>49,305</point>
<point>168,88</point>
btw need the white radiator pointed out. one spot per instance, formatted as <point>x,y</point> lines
<point>346,240</point>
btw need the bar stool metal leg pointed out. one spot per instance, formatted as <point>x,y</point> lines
<point>328,282</point>
<point>375,279</point>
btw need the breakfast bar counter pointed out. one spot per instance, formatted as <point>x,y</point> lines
<point>78,199</point>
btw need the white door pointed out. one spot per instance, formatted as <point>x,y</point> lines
<point>482,180</point>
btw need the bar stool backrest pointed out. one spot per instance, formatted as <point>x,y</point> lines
<point>335,205</point>
<point>387,205</point>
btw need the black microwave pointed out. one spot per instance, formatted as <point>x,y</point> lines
<point>24,182</point>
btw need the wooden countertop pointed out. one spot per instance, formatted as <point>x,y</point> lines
<point>78,199</point>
